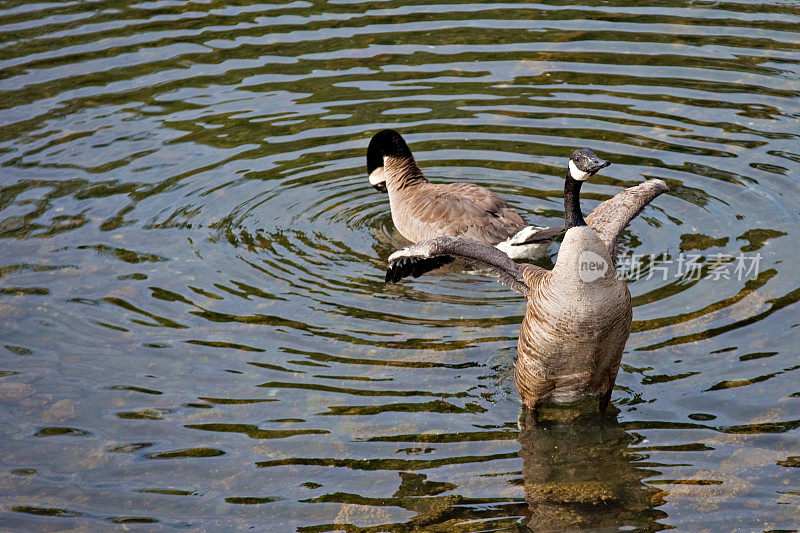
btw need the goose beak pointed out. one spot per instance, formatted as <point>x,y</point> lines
<point>595,165</point>
<point>378,180</point>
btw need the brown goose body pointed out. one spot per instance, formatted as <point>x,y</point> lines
<point>575,326</point>
<point>423,210</point>
<point>578,314</point>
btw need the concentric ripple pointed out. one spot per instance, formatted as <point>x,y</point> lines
<point>195,328</point>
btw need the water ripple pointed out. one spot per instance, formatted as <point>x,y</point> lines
<point>193,264</point>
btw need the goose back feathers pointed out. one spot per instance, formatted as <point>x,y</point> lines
<point>423,210</point>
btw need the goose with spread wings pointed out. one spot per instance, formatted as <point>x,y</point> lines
<point>578,314</point>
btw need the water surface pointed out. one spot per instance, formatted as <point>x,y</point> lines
<point>194,328</point>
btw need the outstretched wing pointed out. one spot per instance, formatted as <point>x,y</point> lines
<point>611,217</point>
<point>414,259</point>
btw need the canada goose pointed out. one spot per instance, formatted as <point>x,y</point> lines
<point>578,315</point>
<point>423,210</point>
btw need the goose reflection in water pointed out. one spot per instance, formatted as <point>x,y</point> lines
<point>581,471</point>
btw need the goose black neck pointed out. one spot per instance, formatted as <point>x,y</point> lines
<point>572,203</point>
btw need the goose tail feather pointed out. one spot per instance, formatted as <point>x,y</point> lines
<point>535,234</point>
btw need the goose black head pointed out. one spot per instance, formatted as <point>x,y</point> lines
<point>385,143</point>
<point>584,163</point>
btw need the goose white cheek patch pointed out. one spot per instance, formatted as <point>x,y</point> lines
<point>576,173</point>
<point>376,177</point>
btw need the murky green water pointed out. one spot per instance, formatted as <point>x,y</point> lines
<point>194,328</point>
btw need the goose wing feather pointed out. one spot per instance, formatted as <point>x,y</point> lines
<point>478,196</point>
<point>463,209</point>
<point>408,260</point>
<point>610,218</point>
